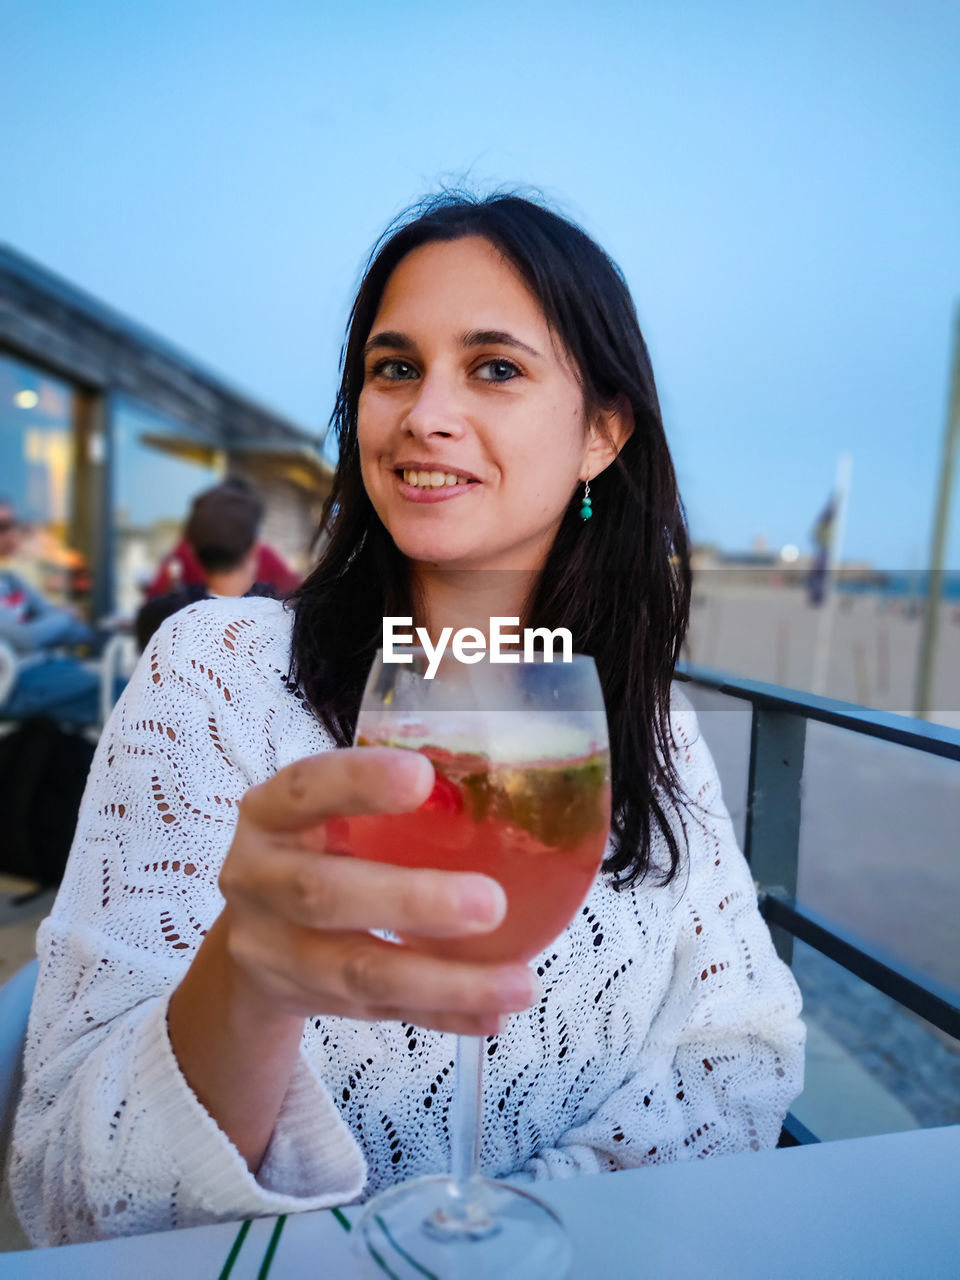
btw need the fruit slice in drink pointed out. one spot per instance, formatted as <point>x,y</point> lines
<point>539,828</point>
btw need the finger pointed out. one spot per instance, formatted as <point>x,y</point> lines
<point>364,972</point>
<point>349,781</point>
<point>324,891</point>
<point>459,1024</point>
<point>484,1024</point>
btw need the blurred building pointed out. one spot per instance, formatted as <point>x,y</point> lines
<point>107,432</point>
<point>716,569</point>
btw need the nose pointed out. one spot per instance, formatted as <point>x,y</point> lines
<point>436,412</point>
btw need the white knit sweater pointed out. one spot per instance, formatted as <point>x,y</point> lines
<point>667,1029</point>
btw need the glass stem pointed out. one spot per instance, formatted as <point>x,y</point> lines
<point>465,1133</point>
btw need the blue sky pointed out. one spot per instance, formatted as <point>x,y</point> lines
<point>780,184</point>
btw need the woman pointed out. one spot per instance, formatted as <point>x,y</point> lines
<point>193,1057</point>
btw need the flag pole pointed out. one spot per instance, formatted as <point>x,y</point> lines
<point>931,610</point>
<point>821,651</point>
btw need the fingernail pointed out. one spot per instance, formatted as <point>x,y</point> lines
<point>483,903</point>
<point>413,770</point>
<point>519,988</point>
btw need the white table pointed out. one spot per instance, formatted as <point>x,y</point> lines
<point>886,1206</point>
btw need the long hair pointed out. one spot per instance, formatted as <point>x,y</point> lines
<point>619,581</point>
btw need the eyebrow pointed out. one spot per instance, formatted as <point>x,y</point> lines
<point>496,338</point>
<point>392,340</point>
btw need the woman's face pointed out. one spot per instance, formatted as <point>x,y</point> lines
<point>471,421</point>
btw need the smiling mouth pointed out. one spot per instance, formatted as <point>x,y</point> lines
<point>434,479</point>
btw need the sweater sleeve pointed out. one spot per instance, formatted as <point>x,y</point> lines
<point>723,1057</point>
<point>109,1138</point>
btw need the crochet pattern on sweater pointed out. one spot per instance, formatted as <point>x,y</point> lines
<point>667,1027</point>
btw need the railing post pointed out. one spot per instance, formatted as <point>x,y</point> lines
<point>772,838</point>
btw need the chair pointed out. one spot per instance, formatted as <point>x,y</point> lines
<point>16,995</point>
<point>116,663</point>
<point>119,657</point>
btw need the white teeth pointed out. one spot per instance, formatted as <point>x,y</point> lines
<point>433,479</point>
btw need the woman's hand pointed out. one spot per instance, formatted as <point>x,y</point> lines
<point>294,941</point>
<point>297,920</point>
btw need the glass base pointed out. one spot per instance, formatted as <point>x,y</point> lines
<point>426,1229</point>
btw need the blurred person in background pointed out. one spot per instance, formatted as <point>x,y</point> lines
<point>221,537</point>
<point>182,568</point>
<point>49,682</point>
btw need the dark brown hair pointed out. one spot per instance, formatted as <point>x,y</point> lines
<point>620,581</point>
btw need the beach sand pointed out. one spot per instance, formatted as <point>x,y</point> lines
<point>770,633</point>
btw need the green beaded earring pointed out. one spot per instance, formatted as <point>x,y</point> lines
<point>586,508</point>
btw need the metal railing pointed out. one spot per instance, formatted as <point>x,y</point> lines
<point>772,834</point>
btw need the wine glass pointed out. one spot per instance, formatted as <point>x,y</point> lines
<point>522,794</point>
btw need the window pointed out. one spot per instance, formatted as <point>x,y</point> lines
<point>159,466</point>
<point>38,475</point>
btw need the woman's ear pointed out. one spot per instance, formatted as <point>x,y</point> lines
<point>609,432</point>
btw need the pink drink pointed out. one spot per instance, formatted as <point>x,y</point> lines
<point>539,828</point>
